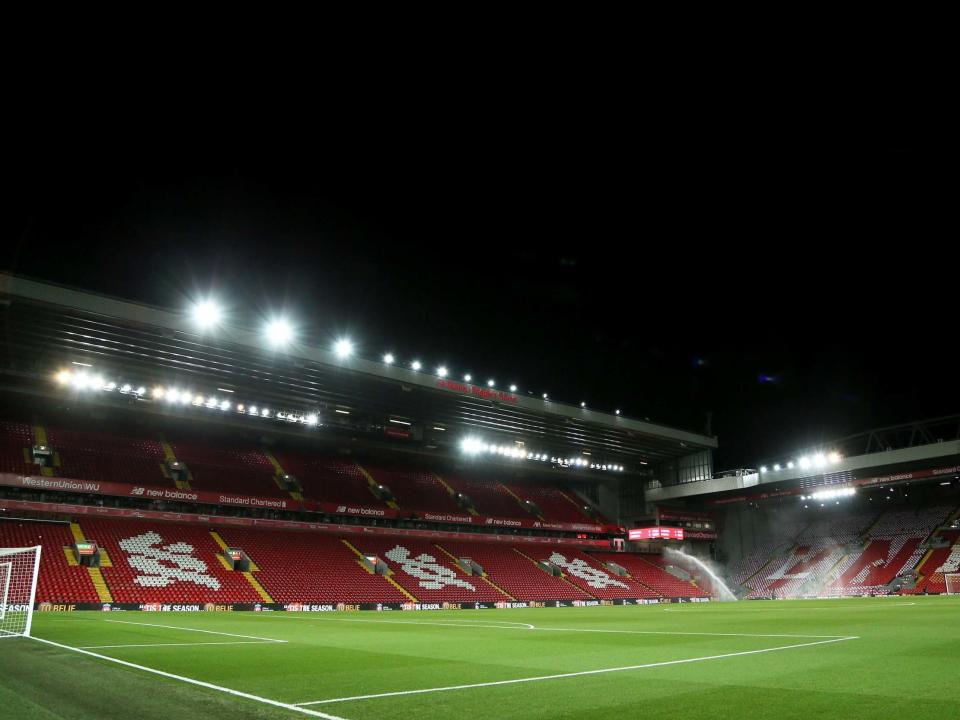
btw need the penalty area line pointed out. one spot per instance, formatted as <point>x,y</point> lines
<point>187,629</point>
<point>194,644</point>
<point>192,681</point>
<point>581,673</point>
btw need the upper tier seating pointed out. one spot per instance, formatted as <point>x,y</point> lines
<point>15,437</point>
<point>59,581</point>
<point>166,563</point>
<point>415,489</point>
<point>554,504</point>
<point>329,479</point>
<point>225,468</point>
<point>488,496</point>
<point>427,572</point>
<point>517,574</point>
<point>309,567</point>
<point>107,457</point>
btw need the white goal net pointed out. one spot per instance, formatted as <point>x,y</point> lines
<point>952,581</point>
<point>19,568</point>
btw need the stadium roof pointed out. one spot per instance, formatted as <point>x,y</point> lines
<point>50,327</point>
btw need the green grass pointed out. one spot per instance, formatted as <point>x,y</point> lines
<point>902,663</point>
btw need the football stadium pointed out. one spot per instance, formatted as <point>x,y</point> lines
<point>210,519</point>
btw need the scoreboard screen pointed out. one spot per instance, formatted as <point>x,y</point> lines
<point>655,533</point>
<point>86,548</point>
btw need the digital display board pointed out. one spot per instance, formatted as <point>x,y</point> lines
<point>86,548</point>
<point>655,533</point>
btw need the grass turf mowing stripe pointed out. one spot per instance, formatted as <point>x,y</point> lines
<point>560,676</point>
<point>191,681</point>
<point>528,626</point>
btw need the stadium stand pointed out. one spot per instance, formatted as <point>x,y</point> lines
<point>517,572</point>
<point>554,503</point>
<point>226,468</point>
<point>589,573</point>
<point>307,567</point>
<point>428,572</point>
<point>415,489</point>
<point>107,457</point>
<point>61,580</point>
<point>166,563</point>
<point>15,440</point>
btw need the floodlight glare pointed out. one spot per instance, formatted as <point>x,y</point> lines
<point>63,377</point>
<point>583,404</point>
<point>441,371</point>
<point>545,396</point>
<point>834,457</point>
<point>343,348</point>
<point>490,383</point>
<point>763,468</point>
<point>207,314</point>
<point>279,332</point>
<point>513,388</point>
<point>776,466</point>
<point>389,359</point>
<point>468,377</point>
<point>617,411</point>
<point>158,393</point>
<point>312,419</point>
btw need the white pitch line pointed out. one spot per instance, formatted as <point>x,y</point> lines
<point>570,674</point>
<point>210,632</point>
<point>512,626</point>
<point>541,628</point>
<point>196,644</point>
<point>191,681</point>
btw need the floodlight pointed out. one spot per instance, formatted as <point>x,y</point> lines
<point>416,365</point>
<point>583,404</point>
<point>343,348</point>
<point>513,388</point>
<point>389,359</point>
<point>63,377</point>
<point>442,371</point>
<point>834,457</point>
<point>206,314</point>
<point>763,468</point>
<point>776,467</point>
<point>312,419</point>
<point>545,396</point>
<point>158,393</point>
<point>279,332</point>
<point>468,377</point>
<point>491,383</point>
<point>617,411</point>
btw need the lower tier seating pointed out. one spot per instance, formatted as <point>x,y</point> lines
<point>166,563</point>
<point>59,582</point>
<point>428,573</point>
<point>309,567</point>
<point>517,572</point>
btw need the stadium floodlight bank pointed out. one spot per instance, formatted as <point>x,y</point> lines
<point>19,568</point>
<point>952,583</point>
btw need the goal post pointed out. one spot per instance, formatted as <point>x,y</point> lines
<point>952,583</point>
<point>19,568</point>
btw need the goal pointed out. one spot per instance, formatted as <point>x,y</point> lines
<point>952,582</point>
<point>19,568</point>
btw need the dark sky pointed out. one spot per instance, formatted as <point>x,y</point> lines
<point>798,290</point>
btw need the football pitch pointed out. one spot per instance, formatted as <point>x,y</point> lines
<point>855,658</point>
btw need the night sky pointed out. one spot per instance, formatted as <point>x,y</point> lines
<point>797,292</point>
